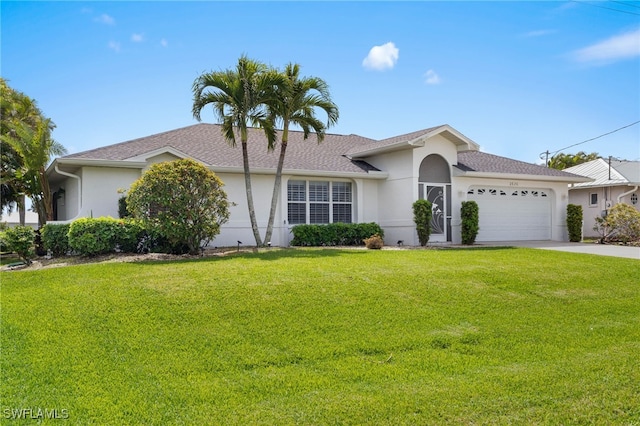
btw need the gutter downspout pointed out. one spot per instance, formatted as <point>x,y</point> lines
<point>624,194</point>
<point>79,187</point>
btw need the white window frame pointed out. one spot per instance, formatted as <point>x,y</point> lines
<point>330,203</point>
<point>591,203</point>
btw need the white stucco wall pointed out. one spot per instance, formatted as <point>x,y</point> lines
<point>559,201</point>
<point>582,198</point>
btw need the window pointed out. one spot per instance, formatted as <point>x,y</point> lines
<point>593,200</point>
<point>318,202</point>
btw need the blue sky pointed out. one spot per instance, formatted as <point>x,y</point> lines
<point>519,78</point>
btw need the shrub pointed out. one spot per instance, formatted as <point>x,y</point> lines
<point>422,214</point>
<point>123,212</point>
<point>574,222</point>
<point>622,223</point>
<point>92,236</point>
<point>470,218</point>
<point>374,242</point>
<point>181,200</point>
<point>19,239</point>
<point>55,238</point>
<point>334,234</point>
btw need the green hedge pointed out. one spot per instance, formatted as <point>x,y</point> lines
<point>55,238</point>
<point>422,215</point>
<point>334,234</point>
<point>19,239</point>
<point>574,222</point>
<point>470,219</point>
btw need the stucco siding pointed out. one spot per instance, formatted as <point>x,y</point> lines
<point>100,186</point>
<point>606,196</point>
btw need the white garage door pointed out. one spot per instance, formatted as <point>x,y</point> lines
<point>508,214</point>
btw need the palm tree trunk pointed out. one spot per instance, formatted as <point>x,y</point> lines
<point>277,184</point>
<point>21,209</point>
<point>247,183</point>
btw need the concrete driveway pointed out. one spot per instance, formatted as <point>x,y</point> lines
<point>588,248</point>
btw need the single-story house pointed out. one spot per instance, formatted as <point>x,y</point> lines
<point>612,182</point>
<point>13,219</point>
<point>346,178</point>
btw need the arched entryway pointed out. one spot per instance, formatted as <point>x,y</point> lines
<point>434,185</point>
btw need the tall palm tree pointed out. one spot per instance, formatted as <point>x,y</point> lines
<point>238,98</point>
<point>35,147</point>
<point>27,149</point>
<point>296,104</point>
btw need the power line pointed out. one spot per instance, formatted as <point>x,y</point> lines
<point>547,153</point>
<point>604,7</point>
<point>626,4</point>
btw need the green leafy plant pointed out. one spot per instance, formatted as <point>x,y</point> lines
<point>19,239</point>
<point>574,222</point>
<point>422,214</point>
<point>182,200</point>
<point>469,213</point>
<point>123,212</point>
<point>334,234</point>
<point>55,238</point>
<point>93,236</point>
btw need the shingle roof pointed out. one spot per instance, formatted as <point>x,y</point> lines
<point>620,172</point>
<point>206,143</point>
<point>476,161</point>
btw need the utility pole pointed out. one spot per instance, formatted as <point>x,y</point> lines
<point>546,157</point>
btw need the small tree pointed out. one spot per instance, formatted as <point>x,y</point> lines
<point>574,222</point>
<point>622,223</point>
<point>470,218</point>
<point>422,214</point>
<point>182,200</point>
<point>19,239</point>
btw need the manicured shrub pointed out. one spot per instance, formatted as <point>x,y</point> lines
<point>182,201</point>
<point>469,213</point>
<point>93,236</point>
<point>422,214</point>
<point>574,222</point>
<point>55,238</point>
<point>374,242</point>
<point>334,234</point>
<point>130,233</point>
<point>19,240</point>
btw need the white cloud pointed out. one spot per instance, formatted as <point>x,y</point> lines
<point>381,57</point>
<point>105,19</point>
<point>137,38</point>
<point>430,77</point>
<point>115,46</point>
<point>164,42</point>
<point>615,48</point>
<point>539,33</point>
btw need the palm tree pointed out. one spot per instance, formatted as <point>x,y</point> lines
<point>295,104</point>
<point>27,148</point>
<point>238,97</point>
<point>35,148</point>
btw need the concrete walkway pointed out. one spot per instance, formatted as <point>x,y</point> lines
<point>588,248</point>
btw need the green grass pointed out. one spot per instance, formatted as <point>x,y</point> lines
<point>494,336</point>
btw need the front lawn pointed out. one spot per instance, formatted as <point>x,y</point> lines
<point>506,336</point>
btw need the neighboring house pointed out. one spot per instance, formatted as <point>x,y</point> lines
<point>347,178</point>
<point>612,183</point>
<point>13,219</point>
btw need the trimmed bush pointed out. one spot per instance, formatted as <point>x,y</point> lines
<point>334,234</point>
<point>19,240</point>
<point>574,222</point>
<point>469,213</point>
<point>182,200</point>
<point>55,238</point>
<point>422,214</point>
<point>93,236</point>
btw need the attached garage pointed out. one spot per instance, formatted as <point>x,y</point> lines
<point>508,214</point>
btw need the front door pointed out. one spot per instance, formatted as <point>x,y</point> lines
<point>438,195</point>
